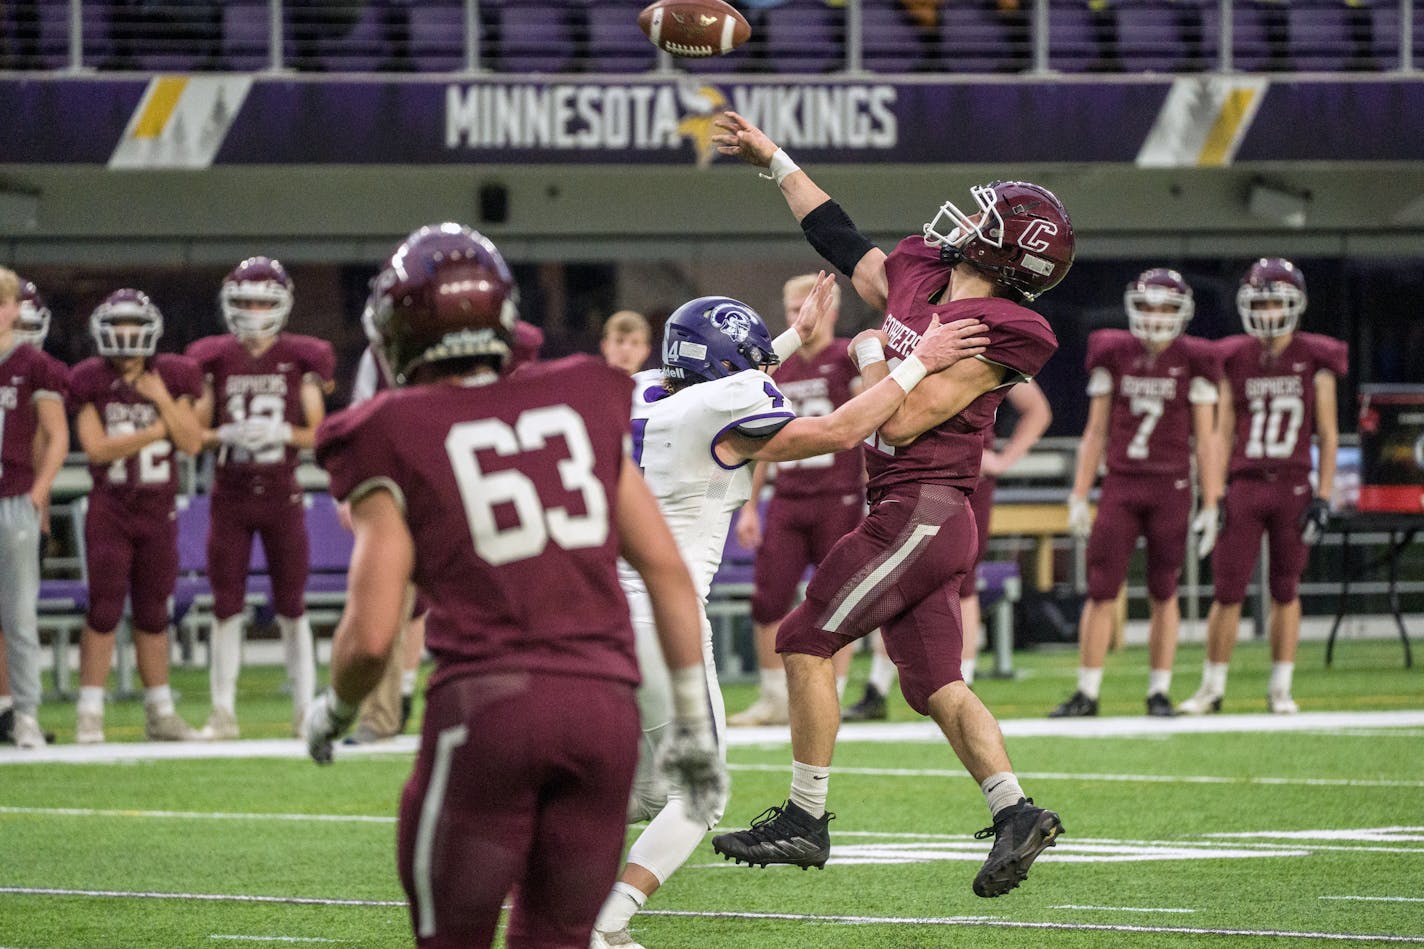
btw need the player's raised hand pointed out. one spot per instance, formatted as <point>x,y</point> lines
<point>816,308</point>
<point>739,137</point>
<point>941,346</point>
<point>688,760</point>
<point>150,385</point>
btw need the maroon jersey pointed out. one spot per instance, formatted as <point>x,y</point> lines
<point>1150,425</point>
<point>148,473</point>
<point>818,385</point>
<point>1274,398</point>
<point>1019,340</point>
<point>26,374</point>
<point>266,386</point>
<point>509,490</point>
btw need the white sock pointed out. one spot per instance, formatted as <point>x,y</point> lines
<point>408,682</point>
<point>966,669</point>
<point>1281,675</point>
<point>1214,676</point>
<point>841,682</point>
<point>160,699</point>
<point>1159,682</point>
<point>301,661</point>
<point>1090,681</point>
<point>620,907</point>
<point>773,685</point>
<point>808,787</point>
<point>1001,789</point>
<point>91,700</point>
<point>226,649</point>
<point>7,702</point>
<point>882,673</point>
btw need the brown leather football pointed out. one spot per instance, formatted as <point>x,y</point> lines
<point>694,28</point>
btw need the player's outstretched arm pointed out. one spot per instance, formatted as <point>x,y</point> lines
<point>827,227</point>
<point>1090,456</point>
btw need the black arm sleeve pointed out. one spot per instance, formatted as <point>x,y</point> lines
<point>832,233</point>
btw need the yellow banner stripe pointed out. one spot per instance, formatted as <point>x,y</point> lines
<point>1228,122</point>
<point>162,102</point>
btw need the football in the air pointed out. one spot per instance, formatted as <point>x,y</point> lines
<point>694,27</point>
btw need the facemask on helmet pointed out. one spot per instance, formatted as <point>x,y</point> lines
<point>713,337</point>
<point>33,325</point>
<point>1159,305</point>
<point>1271,298</point>
<point>126,324</point>
<point>1020,236</point>
<point>256,298</point>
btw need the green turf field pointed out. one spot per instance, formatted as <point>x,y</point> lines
<point>1299,837</point>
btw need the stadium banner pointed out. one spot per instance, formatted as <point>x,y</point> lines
<point>1196,121</point>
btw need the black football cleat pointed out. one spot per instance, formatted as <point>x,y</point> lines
<point>1077,706</point>
<point>1020,833</point>
<point>784,834</point>
<point>7,726</point>
<point>1159,706</point>
<point>407,703</point>
<point>870,708</point>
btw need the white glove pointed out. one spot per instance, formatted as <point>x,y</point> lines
<point>1205,526</point>
<point>1080,519</point>
<point>259,433</point>
<point>327,717</point>
<point>687,759</point>
<point>230,434</point>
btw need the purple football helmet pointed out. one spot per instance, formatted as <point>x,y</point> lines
<point>1021,235</point>
<point>712,337</point>
<point>126,324</point>
<point>446,293</point>
<point>33,325</point>
<point>1159,305</point>
<point>256,298</point>
<point>1271,298</point>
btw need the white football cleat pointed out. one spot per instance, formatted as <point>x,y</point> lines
<point>615,940</point>
<point>1205,700</point>
<point>89,728</point>
<point>27,732</point>
<point>761,712</point>
<point>1281,703</point>
<point>220,726</point>
<point>166,726</point>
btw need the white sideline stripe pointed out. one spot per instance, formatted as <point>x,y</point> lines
<point>199,815</point>
<point>210,897</point>
<point>1073,776</point>
<point>1379,899</point>
<point>1026,924</point>
<point>241,938</point>
<point>1123,909</point>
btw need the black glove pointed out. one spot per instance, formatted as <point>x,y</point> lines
<point>1313,521</point>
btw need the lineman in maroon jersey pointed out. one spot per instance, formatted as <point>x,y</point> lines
<point>902,568</point>
<point>32,391</point>
<point>814,502</point>
<point>1154,392</point>
<point>1279,389</point>
<point>492,489</point>
<point>262,401</point>
<point>133,408</point>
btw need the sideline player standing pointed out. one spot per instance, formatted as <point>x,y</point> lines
<point>1154,392</point>
<point>133,408</point>
<point>262,402</point>
<point>491,490</point>
<point>1279,388</point>
<point>902,568</point>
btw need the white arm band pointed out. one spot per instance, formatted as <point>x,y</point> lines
<point>786,344</point>
<point>868,352</point>
<point>689,693</point>
<point>909,373</point>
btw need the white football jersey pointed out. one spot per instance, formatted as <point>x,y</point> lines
<point>673,439</point>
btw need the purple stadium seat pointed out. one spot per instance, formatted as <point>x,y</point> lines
<point>437,35</point>
<point>891,42</point>
<point>1072,46</point>
<point>976,37</point>
<point>535,38</point>
<point>992,581</point>
<point>804,36</point>
<point>1319,36</point>
<point>613,42</point>
<point>363,49</point>
<point>247,35</point>
<point>1149,37</point>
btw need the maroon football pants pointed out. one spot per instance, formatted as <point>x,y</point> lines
<point>279,518</point>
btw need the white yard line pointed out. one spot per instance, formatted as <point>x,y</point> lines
<point>241,938</point>
<point>1123,909</point>
<point>198,815</point>
<point>210,897</point>
<point>1379,899</point>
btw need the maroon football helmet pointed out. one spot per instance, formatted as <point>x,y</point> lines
<point>446,293</point>
<point>1020,235</point>
<point>256,298</point>
<point>126,324</point>
<point>33,325</point>
<point>1271,298</point>
<point>1159,305</point>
